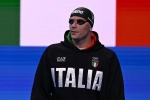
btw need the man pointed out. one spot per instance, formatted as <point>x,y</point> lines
<point>80,67</point>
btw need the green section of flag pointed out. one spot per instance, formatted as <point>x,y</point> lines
<point>9,22</point>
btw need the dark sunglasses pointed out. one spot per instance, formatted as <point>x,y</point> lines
<point>79,21</point>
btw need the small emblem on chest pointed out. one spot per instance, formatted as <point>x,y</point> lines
<point>95,61</point>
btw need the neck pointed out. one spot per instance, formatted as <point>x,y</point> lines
<point>82,43</point>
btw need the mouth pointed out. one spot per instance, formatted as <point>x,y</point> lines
<point>73,32</point>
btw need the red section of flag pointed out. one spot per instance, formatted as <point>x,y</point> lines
<point>133,23</point>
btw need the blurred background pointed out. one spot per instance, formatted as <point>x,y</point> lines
<point>27,27</point>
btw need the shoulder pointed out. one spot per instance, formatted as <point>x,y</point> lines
<point>108,52</point>
<point>54,47</point>
<point>57,47</point>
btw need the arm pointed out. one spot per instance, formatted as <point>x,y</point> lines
<point>43,85</point>
<point>116,85</point>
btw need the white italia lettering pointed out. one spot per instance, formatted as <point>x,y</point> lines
<point>53,76</point>
<point>70,75</point>
<point>60,76</point>
<point>80,78</point>
<point>97,81</point>
<point>89,79</point>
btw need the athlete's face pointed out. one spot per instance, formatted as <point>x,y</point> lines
<point>79,28</point>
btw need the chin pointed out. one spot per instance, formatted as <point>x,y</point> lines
<point>74,38</point>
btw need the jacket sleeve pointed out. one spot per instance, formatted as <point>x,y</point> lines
<point>116,84</point>
<point>43,86</point>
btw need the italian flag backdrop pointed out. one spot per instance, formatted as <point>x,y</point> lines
<point>25,23</point>
<point>43,22</point>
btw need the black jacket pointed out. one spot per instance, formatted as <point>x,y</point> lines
<point>68,73</point>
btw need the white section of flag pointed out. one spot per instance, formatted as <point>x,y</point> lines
<point>43,22</point>
<point>95,64</point>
